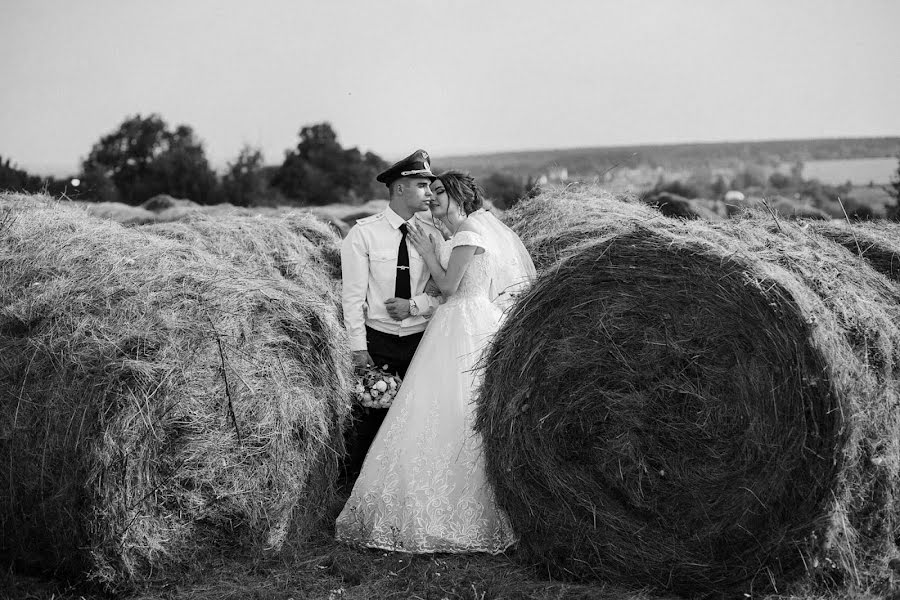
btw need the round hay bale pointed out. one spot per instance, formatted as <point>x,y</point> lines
<point>159,402</point>
<point>162,202</point>
<point>292,243</point>
<point>560,218</point>
<point>877,242</point>
<point>702,408</point>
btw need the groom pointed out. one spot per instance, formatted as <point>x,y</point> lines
<point>385,307</point>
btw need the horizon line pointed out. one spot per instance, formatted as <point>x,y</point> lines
<point>59,169</point>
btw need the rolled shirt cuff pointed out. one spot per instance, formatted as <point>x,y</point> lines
<point>357,344</point>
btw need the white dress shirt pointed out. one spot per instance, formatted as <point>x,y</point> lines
<point>369,271</point>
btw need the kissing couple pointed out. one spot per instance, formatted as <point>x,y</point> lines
<point>422,485</point>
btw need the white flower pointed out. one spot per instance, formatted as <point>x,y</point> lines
<point>375,393</point>
<point>367,397</point>
<point>380,386</point>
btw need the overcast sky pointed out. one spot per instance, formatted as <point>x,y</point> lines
<point>451,76</point>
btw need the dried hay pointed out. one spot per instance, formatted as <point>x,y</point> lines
<point>781,205</point>
<point>177,213</point>
<point>158,402</point>
<point>162,202</point>
<point>120,212</point>
<point>878,242</point>
<point>560,218</point>
<point>293,243</point>
<point>702,408</point>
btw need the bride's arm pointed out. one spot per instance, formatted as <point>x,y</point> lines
<point>448,281</point>
<point>460,257</point>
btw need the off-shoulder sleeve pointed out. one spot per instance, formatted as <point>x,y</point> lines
<point>467,238</point>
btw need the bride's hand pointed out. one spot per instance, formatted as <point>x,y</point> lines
<point>445,233</point>
<point>421,241</point>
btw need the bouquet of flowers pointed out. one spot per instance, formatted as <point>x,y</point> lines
<point>376,388</point>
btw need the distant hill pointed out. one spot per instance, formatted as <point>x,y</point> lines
<point>581,162</point>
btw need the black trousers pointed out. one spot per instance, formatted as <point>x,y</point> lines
<point>385,349</point>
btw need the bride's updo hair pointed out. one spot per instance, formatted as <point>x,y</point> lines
<point>463,189</point>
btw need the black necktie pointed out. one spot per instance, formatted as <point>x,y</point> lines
<point>401,284</point>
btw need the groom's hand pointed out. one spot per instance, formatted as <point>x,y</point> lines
<point>361,359</point>
<point>398,308</point>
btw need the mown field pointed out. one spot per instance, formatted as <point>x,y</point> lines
<point>174,392</point>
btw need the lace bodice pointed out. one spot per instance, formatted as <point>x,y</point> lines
<point>476,281</point>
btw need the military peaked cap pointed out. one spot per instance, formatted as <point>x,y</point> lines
<point>415,165</point>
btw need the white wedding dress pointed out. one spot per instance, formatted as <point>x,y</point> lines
<point>423,487</point>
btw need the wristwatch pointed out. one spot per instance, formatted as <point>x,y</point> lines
<point>413,309</point>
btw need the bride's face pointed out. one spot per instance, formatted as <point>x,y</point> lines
<point>440,201</point>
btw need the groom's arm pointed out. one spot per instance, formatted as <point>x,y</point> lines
<point>355,281</point>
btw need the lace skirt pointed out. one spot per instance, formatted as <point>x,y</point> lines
<point>422,487</point>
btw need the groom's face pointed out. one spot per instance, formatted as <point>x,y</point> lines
<point>417,193</point>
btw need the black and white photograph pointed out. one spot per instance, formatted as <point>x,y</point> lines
<point>450,300</point>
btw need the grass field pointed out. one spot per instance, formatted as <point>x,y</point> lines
<point>326,570</point>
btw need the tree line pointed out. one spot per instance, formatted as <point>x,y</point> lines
<point>145,157</point>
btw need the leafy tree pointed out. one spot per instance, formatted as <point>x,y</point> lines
<point>504,190</point>
<point>144,158</point>
<point>780,181</point>
<point>97,184</point>
<point>246,182</point>
<point>320,171</point>
<point>14,179</point>
<point>747,178</point>
<point>718,187</point>
<point>676,187</point>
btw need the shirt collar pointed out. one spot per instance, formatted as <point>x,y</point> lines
<point>394,219</point>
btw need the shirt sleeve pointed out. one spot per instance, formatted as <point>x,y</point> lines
<point>427,304</point>
<point>355,276</point>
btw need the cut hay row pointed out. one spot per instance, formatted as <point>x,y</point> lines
<point>296,244</point>
<point>699,407</point>
<point>158,401</point>
<point>785,208</point>
<point>878,242</point>
<point>161,202</point>
<point>119,212</point>
<point>181,213</point>
<point>178,211</point>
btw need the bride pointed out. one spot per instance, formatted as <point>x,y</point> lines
<point>423,487</point>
